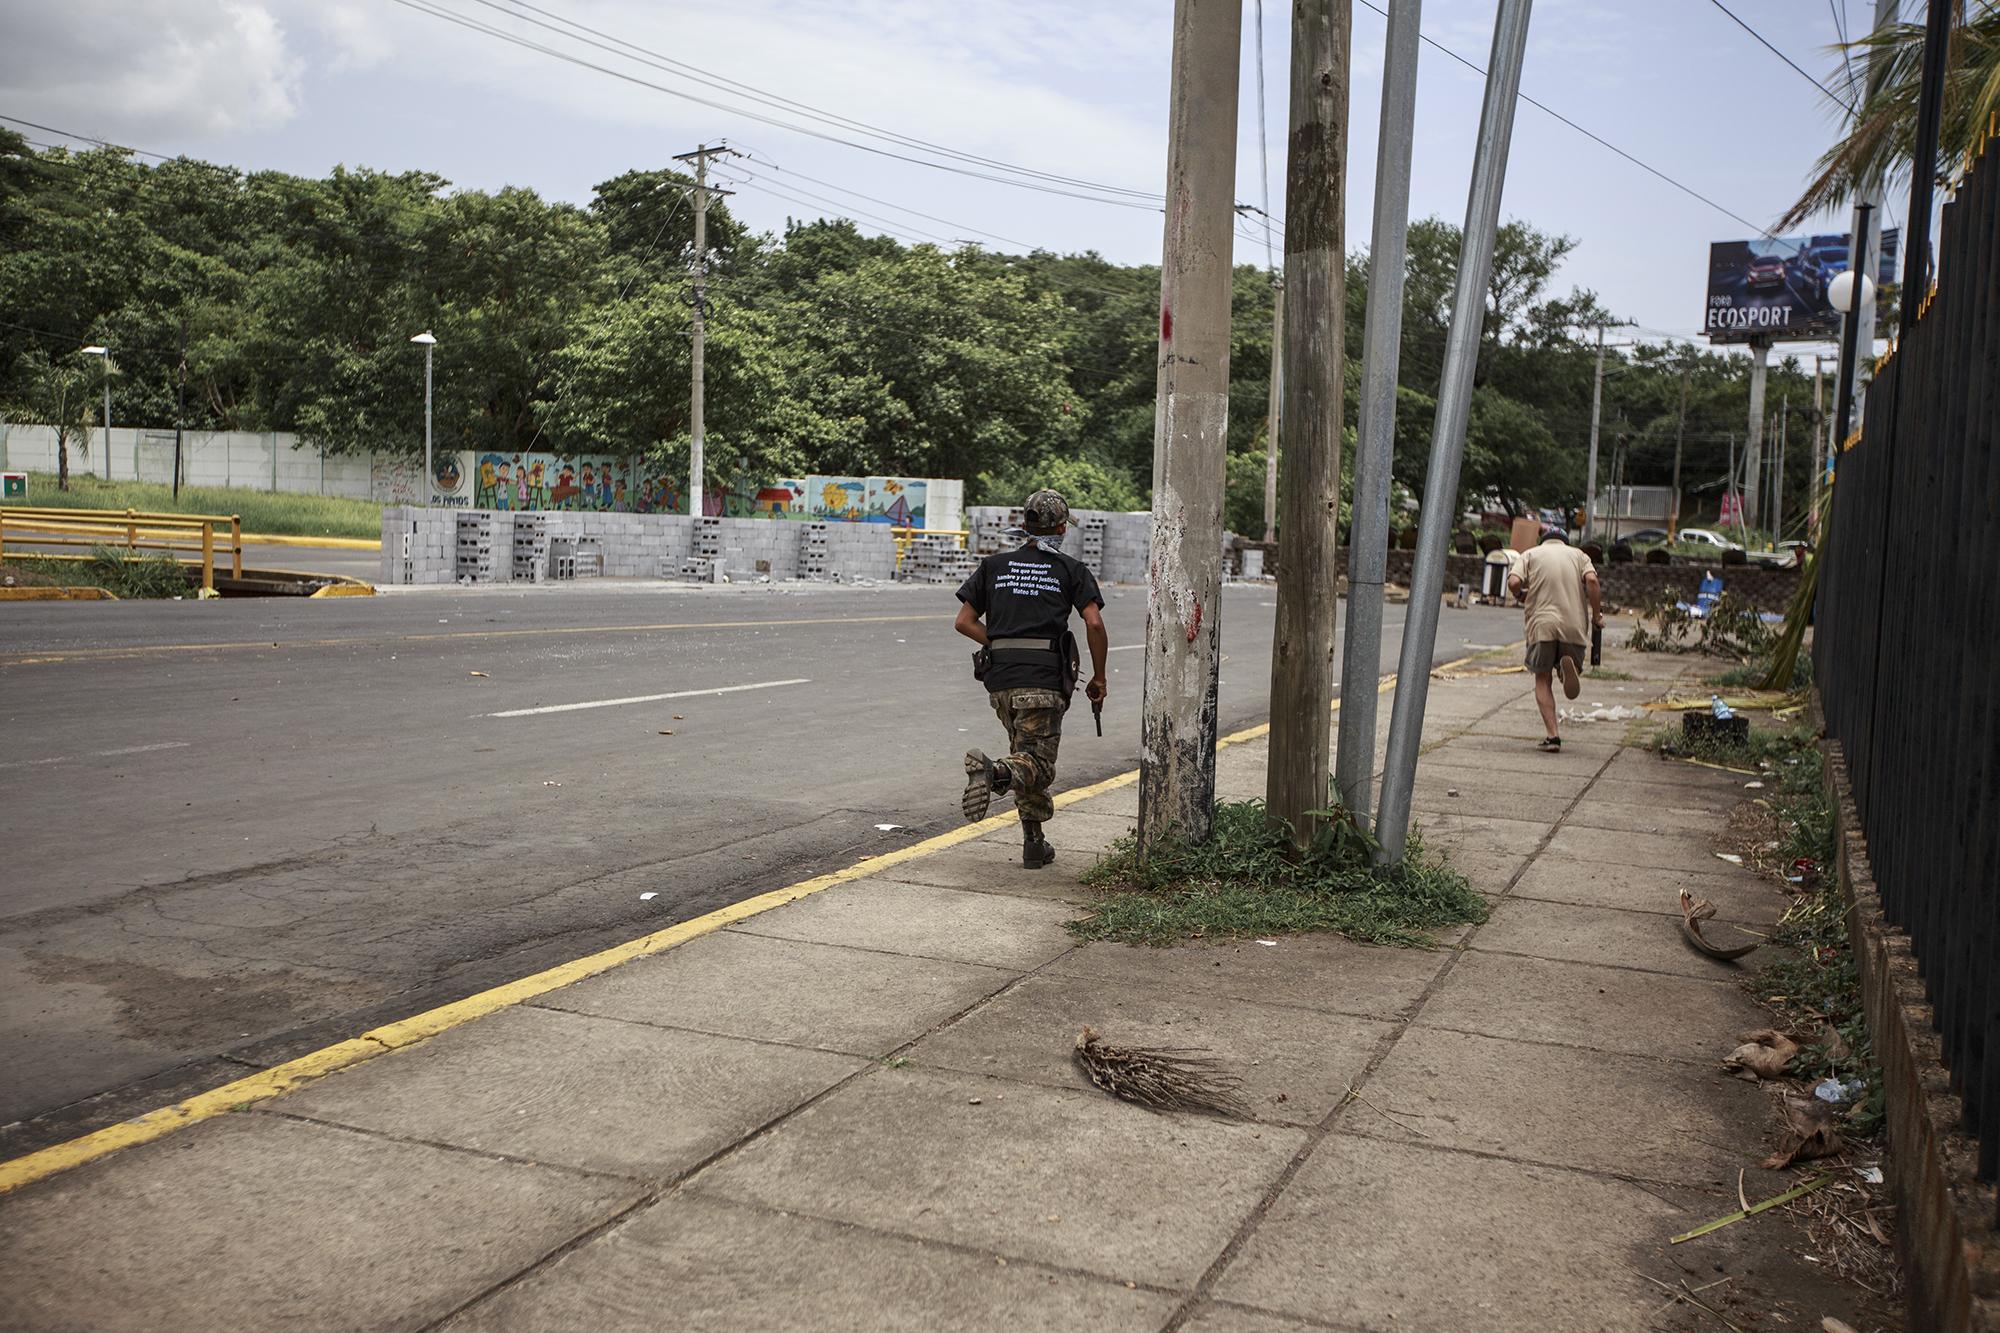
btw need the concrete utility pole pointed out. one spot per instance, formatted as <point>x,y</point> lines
<point>1468,315</point>
<point>1861,240</point>
<point>1316,271</point>
<point>702,190</point>
<point>1190,429</point>
<point>1753,443</point>
<point>1590,473</point>
<point>1680,437</point>
<point>1276,407</point>
<point>1375,448</point>
<point>1778,473</point>
<point>1729,488</point>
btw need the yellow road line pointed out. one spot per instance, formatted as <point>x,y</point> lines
<point>147,650</point>
<point>293,1074</point>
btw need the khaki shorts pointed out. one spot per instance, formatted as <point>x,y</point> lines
<point>1543,656</point>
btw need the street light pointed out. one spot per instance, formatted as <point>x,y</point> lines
<point>105,352</point>
<point>1840,292</point>
<point>428,342</point>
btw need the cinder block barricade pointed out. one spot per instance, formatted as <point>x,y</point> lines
<point>474,547</point>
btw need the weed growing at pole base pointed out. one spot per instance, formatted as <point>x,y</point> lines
<point>124,575</point>
<point>1247,880</point>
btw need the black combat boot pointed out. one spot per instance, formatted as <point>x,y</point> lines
<point>1035,849</point>
<point>983,777</point>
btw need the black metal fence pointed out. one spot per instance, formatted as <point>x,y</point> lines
<point>1907,640</point>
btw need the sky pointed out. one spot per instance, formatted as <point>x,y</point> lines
<point>1071,88</point>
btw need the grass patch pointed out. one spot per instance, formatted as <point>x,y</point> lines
<point>276,512</point>
<point>128,576</point>
<point>1247,880</point>
<point>1607,673</point>
<point>1752,674</point>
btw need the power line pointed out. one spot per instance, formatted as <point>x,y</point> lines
<point>71,134</point>
<point>1263,143</point>
<point>1020,182</point>
<point>1823,90</point>
<point>720,82</point>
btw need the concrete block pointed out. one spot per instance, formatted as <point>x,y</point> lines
<point>1065,1177</point>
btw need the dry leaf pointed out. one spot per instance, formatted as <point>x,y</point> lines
<point>481,674</point>
<point>1808,1134</point>
<point>666,733</point>
<point>1766,1053</point>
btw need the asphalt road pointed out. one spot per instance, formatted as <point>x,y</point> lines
<point>236,831</point>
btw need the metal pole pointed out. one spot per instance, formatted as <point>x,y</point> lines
<point>696,488</point>
<point>1778,472</point>
<point>1302,643</point>
<point>1923,165</point>
<point>1753,443</point>
<point>1190,429</point>
<point>1590,474</point>
<point>180,415</point>
<point>1475,267</point>
<point>1813,474</point>
<point>1276,407</point>
<point>428,473</point>
<point>107,419</point>
<point>1680,437</point>
<point>1887,12</point>
<point>1375,450</point>
<point>1843,394</point>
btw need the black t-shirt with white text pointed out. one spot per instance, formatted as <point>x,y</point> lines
<point>1028,594</point>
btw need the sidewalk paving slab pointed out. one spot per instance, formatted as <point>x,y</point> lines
<point>1659,851</point>
<point>696,1263</point>
<point>1320,972</point>
<point>926,922</point>
<point>1397,1236</point>
<point>995,867</point>
<point>739,985</point>
<point>1064,1177</point>
<point>1622,1115</point>
<point>564,1089</point>
<point>262,1222</point>
<point>1603,1008</point>
<point>1738,894</point>
<point>1565,932</point>
<point>1301,1067</point>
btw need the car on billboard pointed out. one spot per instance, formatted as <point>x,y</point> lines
<point>1775,287</point>
<point>1766,272</point>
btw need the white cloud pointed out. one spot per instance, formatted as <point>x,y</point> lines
<point>134,70</point>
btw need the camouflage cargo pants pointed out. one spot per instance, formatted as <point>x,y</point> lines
<point>1033,719</point>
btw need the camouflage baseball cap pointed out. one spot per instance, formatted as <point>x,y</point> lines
<point>1044,512</point>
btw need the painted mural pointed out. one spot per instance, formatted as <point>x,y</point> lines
<point>535,481</point>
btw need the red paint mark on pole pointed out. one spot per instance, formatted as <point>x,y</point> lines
<point>1194,626</point>
<point>1166,325</point>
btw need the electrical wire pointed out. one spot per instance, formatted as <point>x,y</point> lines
<point>474,25</point>
<point>1823,90</point>
<point>1264,146</point>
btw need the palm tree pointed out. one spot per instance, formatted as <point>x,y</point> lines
<point>1881,132</point>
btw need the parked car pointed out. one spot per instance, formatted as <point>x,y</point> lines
<point>1647,536</point>
<point>1703,537</point>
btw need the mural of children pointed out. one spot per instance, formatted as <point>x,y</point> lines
<point>588,499</point>
<point>520,483</point>
<point>604,486</point>
<point>536,483</point>
<point>618,494</point>
<point>486,474</point>
<point>503,490</point>
<point>565,485</point>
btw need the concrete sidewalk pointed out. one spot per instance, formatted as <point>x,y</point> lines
<point>857,1111</point>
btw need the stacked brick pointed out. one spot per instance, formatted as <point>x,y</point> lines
<point>474,547</point>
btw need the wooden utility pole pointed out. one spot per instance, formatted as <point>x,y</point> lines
<point>1302,666</point>
<point>1190,429</point>
<point>1590,473</point>
<point>702,190</point>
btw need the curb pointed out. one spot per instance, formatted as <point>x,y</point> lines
<point>57,595</point>
<point>294,1074</point>
<point>333,543</point>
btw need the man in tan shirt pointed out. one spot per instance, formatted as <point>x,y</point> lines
<point>1554,582</point>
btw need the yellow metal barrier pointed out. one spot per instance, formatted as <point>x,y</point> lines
<point>132,530</point>
<point>906,537</point>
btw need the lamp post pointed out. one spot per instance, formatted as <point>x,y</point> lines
<point>1842,295</point>
<point>428,342</point>
<point>105,352</point>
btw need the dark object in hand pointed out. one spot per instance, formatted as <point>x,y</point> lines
<point>1597,645</point>
<point>1097,714</point>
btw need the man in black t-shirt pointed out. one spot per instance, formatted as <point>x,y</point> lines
<point>1024,598</point>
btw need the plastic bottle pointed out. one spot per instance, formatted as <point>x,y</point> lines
<point>1723,712</point>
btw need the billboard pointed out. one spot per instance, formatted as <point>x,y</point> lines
<point>1775,286</point>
